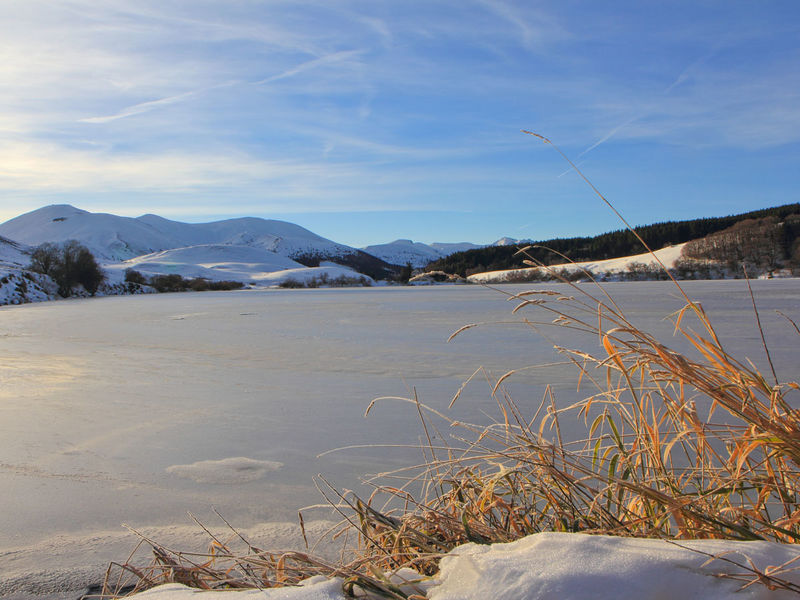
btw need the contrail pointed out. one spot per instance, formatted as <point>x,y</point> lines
<point>683,76</point>
<point>144,107</point>
<point>311,64</point>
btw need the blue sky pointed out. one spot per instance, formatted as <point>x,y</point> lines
<point>366,121</point>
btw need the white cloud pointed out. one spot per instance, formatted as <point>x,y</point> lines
<point>324,103</point>
<point>49,167</point>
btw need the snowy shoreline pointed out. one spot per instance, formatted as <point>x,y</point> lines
<point>567,566</point>
<point>83,559</point>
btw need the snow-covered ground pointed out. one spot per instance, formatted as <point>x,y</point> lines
<point>13,254</point>
<point>609,268</point>
<point>211,261</point>
<point>20,287</point>
<point>571,566</point>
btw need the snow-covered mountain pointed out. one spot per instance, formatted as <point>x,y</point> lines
<point>112,238</point>
<point>401,252</point>
<point>507,241</point>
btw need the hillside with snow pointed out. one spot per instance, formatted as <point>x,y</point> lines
<point>225,262</point>
<point>273,245</point>
<point>249,250</point>
<point>210,261</point>
<point>13,255</point>
<point>605,269</point>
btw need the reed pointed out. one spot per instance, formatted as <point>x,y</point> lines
<point>677,445</point>
<point>652,461</point>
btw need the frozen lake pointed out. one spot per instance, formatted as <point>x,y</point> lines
<point>107,405</point>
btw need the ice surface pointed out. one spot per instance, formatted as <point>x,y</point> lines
<point>226,471</point>
<point>318,589</point>
<point>99,397</point>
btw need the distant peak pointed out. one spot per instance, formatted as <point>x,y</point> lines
<point>506,241</point>
<point>61,207</point>
<point>55,211</point>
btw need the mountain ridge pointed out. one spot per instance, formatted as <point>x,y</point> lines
<point>113,238</point>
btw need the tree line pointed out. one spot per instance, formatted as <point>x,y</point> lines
<point>613,244</point>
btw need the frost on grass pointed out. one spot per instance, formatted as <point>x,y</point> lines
<point>225,471</point>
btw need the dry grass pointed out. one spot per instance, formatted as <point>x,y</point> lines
<point>234,563</point>
<point>653,461</point>
<point>676,445</point>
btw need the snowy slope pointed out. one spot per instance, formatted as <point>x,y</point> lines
<point>286,239</point>
<point>13,255</point>
<point>401,252</point>
<point>212,261</point>
<point>109,237</point>
<point>610,267</point>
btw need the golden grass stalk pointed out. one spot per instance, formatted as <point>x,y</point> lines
<point>652,461</point>
<point>676,445</point>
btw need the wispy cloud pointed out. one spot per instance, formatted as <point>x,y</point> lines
<point>535,27</point>
<point>334,57</point>
<point>340,103</point>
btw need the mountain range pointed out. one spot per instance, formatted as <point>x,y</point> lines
<point>270,252</point>
<point>248,249</point>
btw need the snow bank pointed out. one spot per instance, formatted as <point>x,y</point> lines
<point>609,267</point>
<point>570,566</point>
<point>20,287</point>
